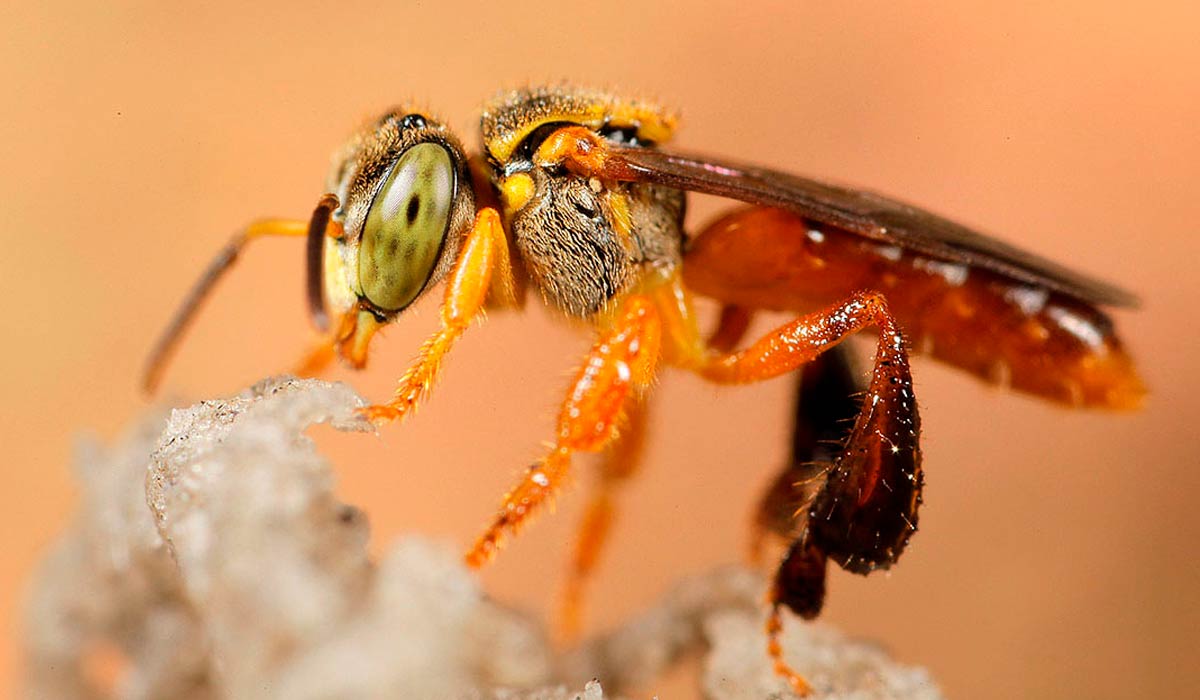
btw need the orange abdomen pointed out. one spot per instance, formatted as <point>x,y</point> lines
<point>1006,332</point>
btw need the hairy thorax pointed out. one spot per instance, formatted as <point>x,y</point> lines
<point>577,257</point>
<point>583,241</point>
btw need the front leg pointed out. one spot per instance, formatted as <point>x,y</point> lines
<point>484,256</point>
<point>620,364</point>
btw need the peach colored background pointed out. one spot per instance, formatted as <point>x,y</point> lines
<point>1057,556</point>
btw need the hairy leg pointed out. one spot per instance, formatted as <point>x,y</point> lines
<point>620,366</point>
<point>484,257</point>
<point>621,461</point>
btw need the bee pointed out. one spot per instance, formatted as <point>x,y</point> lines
<point>575,196</point>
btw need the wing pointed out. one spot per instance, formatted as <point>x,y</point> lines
<point>864,213</point>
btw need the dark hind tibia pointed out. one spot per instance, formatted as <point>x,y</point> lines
<point>826,402</point>
<point>864,515</point>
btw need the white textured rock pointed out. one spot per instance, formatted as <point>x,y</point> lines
<point>215,559</point>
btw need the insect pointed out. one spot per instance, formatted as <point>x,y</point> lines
<point>574,197</point>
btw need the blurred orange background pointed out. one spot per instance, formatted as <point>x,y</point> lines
<point>1057,551</point>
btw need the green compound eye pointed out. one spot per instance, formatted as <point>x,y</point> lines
<point>406,226</point>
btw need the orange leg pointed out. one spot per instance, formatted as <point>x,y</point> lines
<point>774,627</point>
<point>508,281</point>
<point>620,364</point>
<point>350,338</point>
<point>800,585</point>
<point>620,463</point>
<point>864,513</point>
<point>804,339</point>
<point>875,482</point>
<point>484,256</point>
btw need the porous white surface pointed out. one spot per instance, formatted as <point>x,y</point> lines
<point>213,557</point>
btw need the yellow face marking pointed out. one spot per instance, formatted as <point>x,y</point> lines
<point>340,295</point>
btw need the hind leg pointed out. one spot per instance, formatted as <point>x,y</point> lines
<point>826,402</point>
<point>864,514</point>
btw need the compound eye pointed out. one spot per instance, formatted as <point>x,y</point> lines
<point>406,227</point>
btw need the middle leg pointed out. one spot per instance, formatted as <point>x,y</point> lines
<point>620,463</point>
<point>619,367</point>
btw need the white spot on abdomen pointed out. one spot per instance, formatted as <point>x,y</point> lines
<point>1029,300</point>
<point>955,274</point>
<point>890,252</point>
<point>1077,326</point>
